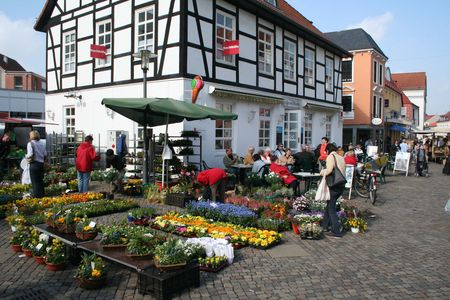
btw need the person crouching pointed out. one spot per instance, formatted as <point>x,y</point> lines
<point>214,181</point>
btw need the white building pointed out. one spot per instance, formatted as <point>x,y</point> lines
<point>414,85</point>
<point>285,85</point>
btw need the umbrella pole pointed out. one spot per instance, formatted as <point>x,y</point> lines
<point>165,144</point>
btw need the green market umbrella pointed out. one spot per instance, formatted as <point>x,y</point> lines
<point>159,111</point>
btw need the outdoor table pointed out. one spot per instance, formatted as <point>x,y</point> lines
<point>243,169</point>
<point>308,177</point>
<point>68,239</point>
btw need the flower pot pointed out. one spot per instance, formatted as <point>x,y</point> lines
<point>50,223</point>
<point>91,284</point>
<point>40,260</point>
<point>56,267</point>
<point>295,228</point>
<point>16,248</point>
<point>86,236</point>
<point>27,252</point>
<point>355,230</point>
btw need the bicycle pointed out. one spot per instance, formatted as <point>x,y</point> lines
<point>365,184</point>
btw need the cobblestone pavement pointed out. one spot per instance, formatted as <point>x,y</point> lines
<point>405,254</point>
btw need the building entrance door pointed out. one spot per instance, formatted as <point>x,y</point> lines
<point>293,137</point>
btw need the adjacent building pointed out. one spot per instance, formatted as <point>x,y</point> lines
<point>285,84</point>
<point>21,92</point>
<point>414,85</point>
<point>363,86</point>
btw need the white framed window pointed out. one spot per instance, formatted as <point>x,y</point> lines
<point>328,119</point>
<point>329,69</point>
<point>225,31</point>
<point>310,63</point>
<point>289,60</point>
<point>375,71</point>
<point>264,127</point>
<point>145,29</point>
<point>104,39</point>
<point>265,51</point>
<point>69,52</point>
<point>224,128</point>
<point>69,122</point>
<point>308,128</point>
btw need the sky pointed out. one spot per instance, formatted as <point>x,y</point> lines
<point>414,34</point>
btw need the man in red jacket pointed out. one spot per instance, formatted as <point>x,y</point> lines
<point>84,162</point>
<point>213,180</point>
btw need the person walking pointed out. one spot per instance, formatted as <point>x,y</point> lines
<point>4,151</point>
<point>323,152</point>
<point>330,217</point>
<point>213,180</point>
<point>36,154</point>
<point>118,163</point>
<point>85,157</point>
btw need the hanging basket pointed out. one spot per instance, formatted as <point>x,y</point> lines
<point>91,284</point>
<point>56,267</point>
<point>86,236</point>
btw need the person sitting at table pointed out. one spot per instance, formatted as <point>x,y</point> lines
<point>267,156</point>
<point>248,158</point>
<point>230,158</point>
<point>305,160</point>
<point>213,181</point>
<point>350,158</point>
<point>258,165</point>
<point>279,152</point>
<point>284,174</point>
<point>287,159</point>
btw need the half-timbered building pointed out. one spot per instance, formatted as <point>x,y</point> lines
<point>285,83</point>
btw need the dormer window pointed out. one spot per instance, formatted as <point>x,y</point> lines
<point>272,2</point>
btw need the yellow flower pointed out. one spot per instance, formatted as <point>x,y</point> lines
<point>95,273</point>
<point>61,220</point>
<point>87,228</point>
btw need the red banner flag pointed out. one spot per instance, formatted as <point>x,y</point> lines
<point>98,51</point>
<point>231,47</point>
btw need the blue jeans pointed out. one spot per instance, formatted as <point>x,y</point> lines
<point>83,181</point>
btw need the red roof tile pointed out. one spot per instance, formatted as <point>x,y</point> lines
<point>286,9</point>
<point>410,81</point>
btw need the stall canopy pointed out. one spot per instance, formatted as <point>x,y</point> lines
<point>162,111</point>
<point>397,127</point>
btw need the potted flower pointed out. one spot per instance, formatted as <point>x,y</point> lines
<point>170,255</point>
<point>141,247</point>
<point>357,224</point>
<point>66,222</point>
<point>91,273</point>
<point>73,185</point>
<point>310,231</point>
<point>141,216</point>
<point>39,249</point>
<point>19,236</point>
<point>113,237</point>
<point>56,256</point>
<point>27,244</point>
<point>86,230</point>
<point>213,264</point>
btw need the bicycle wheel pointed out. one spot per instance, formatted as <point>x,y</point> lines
<point>361,189</point>
<point>372,191</point>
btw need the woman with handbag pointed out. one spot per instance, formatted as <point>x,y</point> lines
<point>36,154</point>
<point>335,168</point>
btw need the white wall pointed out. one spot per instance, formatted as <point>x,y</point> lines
<point>418,98</point>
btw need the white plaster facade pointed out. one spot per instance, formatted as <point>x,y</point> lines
<point>419,98</point>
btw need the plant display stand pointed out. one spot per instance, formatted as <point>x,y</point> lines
<point>179,200</point>
<point>162,284</point>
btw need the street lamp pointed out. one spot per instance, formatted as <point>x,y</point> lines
<point>145,56</point>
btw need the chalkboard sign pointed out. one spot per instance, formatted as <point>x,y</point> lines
<point>349,171</point>
<point>402,162</point>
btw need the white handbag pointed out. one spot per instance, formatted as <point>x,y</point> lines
<point>323,192</point>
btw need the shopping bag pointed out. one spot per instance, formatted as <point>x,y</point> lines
<point>323,192</point>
